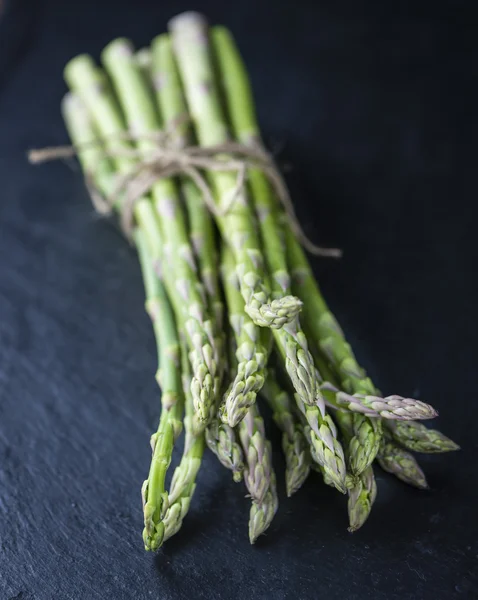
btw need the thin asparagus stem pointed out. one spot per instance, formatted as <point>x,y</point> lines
<point>192,50</point>
<point>183,482</point>
<point>182,487</point>
<point>294,443</point>
<point>90,84</point>
<point>142,117</point>
<point>163,512</point>
<point>155,498</point>
<point>239,103</point>
<point>323,327</point>
<point>170,99</point>
<point>251,356</point>
<point>290,339</point>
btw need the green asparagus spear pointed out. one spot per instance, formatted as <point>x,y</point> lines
<point>155,497</point>
<point>291,340</point>
<point>192,51</point>
<point>170,99</point>
<point>294,443</point>
<point>259,476</point>
<point>163,512</point>
<point>238,100</point>
<point>251,356</point>
<point>362,489</point>
<point>142,118</point>
<point>221,439</point>
<point>183,482</point>
<point>390,456</point>
<point>90,84</point>
<point>390,407</point>
<point>397,461</point>
<point>91,100</point>
<point>261,515</point>
<point>258,452</point>
<point>418,438</point>
<point>324,326</point>
<point>362,494</point>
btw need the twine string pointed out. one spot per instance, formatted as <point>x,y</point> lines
<point>167,159</point>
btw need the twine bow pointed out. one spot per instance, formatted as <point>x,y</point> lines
<point>167,159</point>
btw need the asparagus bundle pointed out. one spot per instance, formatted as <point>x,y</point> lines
<point>159,133</point>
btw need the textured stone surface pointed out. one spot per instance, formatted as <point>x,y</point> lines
<point>377,115</point>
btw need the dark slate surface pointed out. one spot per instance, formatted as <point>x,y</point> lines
<point>377,113</point>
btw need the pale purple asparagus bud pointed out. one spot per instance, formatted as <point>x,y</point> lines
<point>390,407</point>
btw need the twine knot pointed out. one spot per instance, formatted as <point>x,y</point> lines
<point>165,159</point>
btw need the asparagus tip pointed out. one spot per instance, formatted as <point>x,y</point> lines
<point>187,18</point>
<point>294,480</point>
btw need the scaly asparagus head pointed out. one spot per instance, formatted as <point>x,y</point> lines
<point>418,438</point>
<point>294,442</point>
<point>362,493</point>
<point>402,464</point>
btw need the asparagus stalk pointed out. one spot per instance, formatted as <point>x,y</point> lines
<point>183,482</point>
<point>235,85</point>
<point>163,512</point>
<point>170,99</point>
<point>251,356</point>
<point>99,114</point>
<point>259,476</point>
<point>325,330</point>
<point>418,438</point>
<point>294,443</point>
<point>192,50</point>
<point>164,79</point>
<point>141,116</point>
<point>366,441</point>
<point>90,84</point>
<point>325,448</point>
<point>391,458</point>
<point>291,339</point>
<point>155,498</point>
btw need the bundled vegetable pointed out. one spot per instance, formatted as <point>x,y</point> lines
<point>168,140</point>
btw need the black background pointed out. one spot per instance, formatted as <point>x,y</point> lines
<point>375,109</point>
